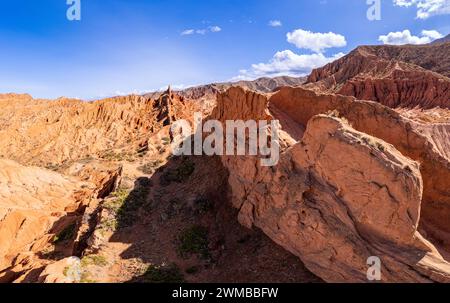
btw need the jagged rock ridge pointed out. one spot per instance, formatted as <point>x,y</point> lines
<point>395,76</point>
<point>48,133</point>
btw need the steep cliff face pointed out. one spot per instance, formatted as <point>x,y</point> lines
<point>339,195</point>
<point>425,143</point>
<point>389,75</point>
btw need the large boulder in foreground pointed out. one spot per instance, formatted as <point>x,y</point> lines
<point>336,198</point>
<point>424,142</point>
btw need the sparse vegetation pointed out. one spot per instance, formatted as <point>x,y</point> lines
<point>192,270</point>
<point>244,239</point>
<point>163,274</point>
<point>165,140</point>
<point>49,253</point>
<point>85,278</point>
<point>118,199</point>
<point>150,167</point>
<point>373,143</point>
<point>66,271</point>
<point>202,205</point>
<point>53,167</point>
<point>108,225</point>
<point>96,260</point>
<point>180,174</point>
<point>126,204</point>
<point>194,240</point>
<point>66,234</point>
<point>172,209</point>
<point>111,155</point>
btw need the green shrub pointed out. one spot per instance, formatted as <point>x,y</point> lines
<point>166,140</point>
<point>163,274</point>
<point>108,225</point>
<point>53,167</point>
<point>180,174</point>
<point>97,260</point>
<point>66,234</point>
<point>202,205</point>
<point>194,240</point>
<point>118,199</point>
<point>66,271</point>
<point>192,270</point>
<point>85,278</point>
<point>125,205</point>
<point>150,167</point>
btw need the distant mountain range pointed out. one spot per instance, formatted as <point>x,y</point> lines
<point>445,39</point>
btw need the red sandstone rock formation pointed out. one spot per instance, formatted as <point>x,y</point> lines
<point>425,143</point>
<point>390,75</point>
<point>339,195</point>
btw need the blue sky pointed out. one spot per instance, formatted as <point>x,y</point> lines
<point>123,46</point>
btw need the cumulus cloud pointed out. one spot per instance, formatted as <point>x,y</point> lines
<point>215,29</point>
<point>287,63</point>
<point>426,8</point>
<point>316,42</point>
<point>201,31</point>
<point>275,23</point>
<point>405,37</point>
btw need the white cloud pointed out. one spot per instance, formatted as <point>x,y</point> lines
<point>287,63</point>
<point>215,29</point>
<point>275,23</point>
<point>187,32</point>
<point>202,31</point>
<point>316,42</point>
<point>433,34</point>
<point>426,8</point>
<point>405,37</point>
<point>404,3</point>
<point>291,64</point>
